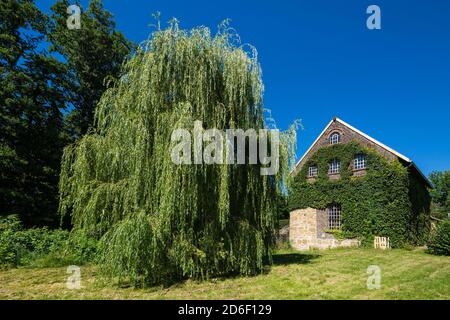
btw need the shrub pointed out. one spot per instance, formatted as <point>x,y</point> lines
<point>76,249</point>
<point>42,247</point>
<point>39,242</point>
<point>440,241</point>
<point>10,250</point>
<point>340,234</point>
<point>80,248</point>
<point>20,247</point>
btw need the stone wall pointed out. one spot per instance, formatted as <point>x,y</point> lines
<point>307,231</point>
<point>282,235</point>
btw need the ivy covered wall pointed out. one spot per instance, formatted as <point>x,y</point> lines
<point>386,201</point>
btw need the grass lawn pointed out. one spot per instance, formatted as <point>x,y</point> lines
<point>332,274</point>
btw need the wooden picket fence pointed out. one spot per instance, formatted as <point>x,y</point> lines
<point>381,243</point>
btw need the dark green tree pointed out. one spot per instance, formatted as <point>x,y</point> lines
<point>283,206</point>
<point>31,121</point>
<point>94,55</point>
<point>441,193</point>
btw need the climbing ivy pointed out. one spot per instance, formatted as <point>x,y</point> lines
<point>386,201</point>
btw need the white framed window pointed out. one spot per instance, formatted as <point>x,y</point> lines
<point>313,171</point>
<point>334,217</point>
<point>335,138</point>
<point>334,166</point>
<point>359,162</point>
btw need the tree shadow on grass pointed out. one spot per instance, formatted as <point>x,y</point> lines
<point>283,259</point>
<point>278,259</point>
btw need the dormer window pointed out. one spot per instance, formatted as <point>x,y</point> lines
<point>335,138</point>
<point>313,171</point>
<point>359,162</point>
<point>334,167</point>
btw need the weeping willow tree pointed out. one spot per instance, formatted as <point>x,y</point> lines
<point>157,220</point>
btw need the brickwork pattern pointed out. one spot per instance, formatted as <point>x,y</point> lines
<point>347,135</point>
<point>307,231</point>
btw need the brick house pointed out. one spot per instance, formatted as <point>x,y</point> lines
<point>310,227</point>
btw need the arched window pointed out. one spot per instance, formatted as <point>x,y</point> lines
<point>359,162</point>
<point>334,217</point>
<point>335,138</point>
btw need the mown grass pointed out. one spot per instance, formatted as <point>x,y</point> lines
<point>332,274</point>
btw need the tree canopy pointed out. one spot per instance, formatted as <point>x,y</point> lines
<point>440,194</point>
<point>94,54</point>
<point>158,220</point>
<point>47,100</point>
<point>32,98</point>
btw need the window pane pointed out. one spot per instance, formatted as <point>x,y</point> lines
<point>334,217</point>
<point>313,171</point>
<point>335,138</point>
<point>334,166</point>
<point>359,162</point>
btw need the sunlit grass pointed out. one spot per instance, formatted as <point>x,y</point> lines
<point>333,274</point>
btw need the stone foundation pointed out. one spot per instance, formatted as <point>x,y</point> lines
<point>307,231</point>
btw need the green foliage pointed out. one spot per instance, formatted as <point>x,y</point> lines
<point>80,248</point>
<point>32,99</point>
<point>76,248</point>
<point>440,194</point>
<point>340,234</point>
<point>283,223</point>
<point>137,260</point>
<point>10,251</point>
<point>377,204</point>
<point>419,220</point>
<point>19,246</point>
<point>94,55</point>
<point>158,221</point>
<point>439,243</point>
<point>36,88</point>
<point>42,247</point>
<point>283,206</point>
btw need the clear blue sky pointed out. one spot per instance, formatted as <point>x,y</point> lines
<point>320,60</point>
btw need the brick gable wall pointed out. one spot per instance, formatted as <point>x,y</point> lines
<point>347,135</point>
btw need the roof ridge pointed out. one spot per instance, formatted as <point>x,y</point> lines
<point>398,154</point>
<point>382,145</point>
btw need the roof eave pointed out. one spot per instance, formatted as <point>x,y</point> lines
<point>398,154</point>
<point>428,182</point>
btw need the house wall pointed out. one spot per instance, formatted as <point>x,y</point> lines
<point>420,221</point>
<point>400,208</point>
<point>347,135</point>
<point>307,231</point>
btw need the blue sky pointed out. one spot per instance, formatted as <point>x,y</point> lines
<point>320,60</point>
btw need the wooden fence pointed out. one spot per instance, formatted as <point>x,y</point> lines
<point>381,243</point>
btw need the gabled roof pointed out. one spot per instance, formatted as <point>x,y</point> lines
<point>398,154</point>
